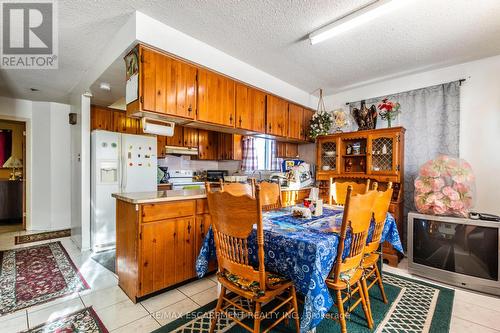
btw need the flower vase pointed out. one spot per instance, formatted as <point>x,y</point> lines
<point>389,122</point>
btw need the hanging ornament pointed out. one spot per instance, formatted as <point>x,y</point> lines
<point>322,120</point>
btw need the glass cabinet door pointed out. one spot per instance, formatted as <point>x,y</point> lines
<point>328,156</point>
<point>382,152</point>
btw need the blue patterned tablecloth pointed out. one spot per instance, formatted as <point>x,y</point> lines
<point>303,250</point>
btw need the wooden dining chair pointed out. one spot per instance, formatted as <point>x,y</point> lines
<point>346,277</point>
<point>233,219</point>
<point>238,189</point>
<point>270,196</point>
<point>338,190</point>
<point>371,252</point>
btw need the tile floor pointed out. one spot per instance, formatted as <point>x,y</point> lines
<point>472,312</point>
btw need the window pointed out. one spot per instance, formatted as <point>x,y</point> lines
<point>265,155</point>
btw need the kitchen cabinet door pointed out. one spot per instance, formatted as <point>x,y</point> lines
<point>178,138</point>
<point>276,116</point>
<point>295,121</point>
<point>185,248</point>
<point>229,147</point>
<point>308,114</point>
<point>250,108</point>
<point>101,118</point>
<point>158,256</point>
<point>216,95</point>
<point>168,85</point>
<point>124,124</point>
<point>203,223</point>
<point>292,150</point>
<point>190,137</point>
<point>161,142</point>
<point>207,145</point>
<point>383,149</point>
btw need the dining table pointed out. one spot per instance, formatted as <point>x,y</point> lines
<point>303,250</point>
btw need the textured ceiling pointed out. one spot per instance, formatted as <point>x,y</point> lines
<point>271,35</point>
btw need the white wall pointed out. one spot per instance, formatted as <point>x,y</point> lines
<point>47,159</point>
<point>479,117</point>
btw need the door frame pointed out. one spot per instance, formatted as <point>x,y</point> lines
<point>26,220</point>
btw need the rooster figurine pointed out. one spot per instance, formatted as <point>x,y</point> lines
<point>366,118</point>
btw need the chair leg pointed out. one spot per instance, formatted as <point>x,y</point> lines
<point>340,307</point>
<point>218,308</point>
<point>296,309</point>
<point>256,323</point>
<point>367,297</point>
<point>365,307</point>
<point>380,284</point>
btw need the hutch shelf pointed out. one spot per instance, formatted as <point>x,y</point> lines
<point>374,154</point>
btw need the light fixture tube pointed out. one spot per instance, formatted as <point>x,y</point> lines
<point>355,19</point>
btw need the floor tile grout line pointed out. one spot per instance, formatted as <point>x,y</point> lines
<point>473,322</point>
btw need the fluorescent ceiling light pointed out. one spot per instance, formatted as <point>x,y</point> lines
<point>355,19</point>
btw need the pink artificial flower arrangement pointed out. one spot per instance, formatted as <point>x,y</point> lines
<point>445,186</point>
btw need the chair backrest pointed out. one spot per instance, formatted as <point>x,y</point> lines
<point>338,190</point>
<point>357,216</point>
<point>270,195</point>
<point>233,218</point>
<point>238,189</point>
<point>380,209</point>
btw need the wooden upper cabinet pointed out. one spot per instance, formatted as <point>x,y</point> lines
<point>308,114</point>
<point>229,147</point>
<point>295,121</point>
<point>287,150</point>
<point>207,145</point>
<point>168,85</point>
<point>190,137</point>
<point>161,141</point>
<point>216,94</point>
<point>124,124</point>
<point>277,116</point>
<point>250,108</point>
<point>101,118</point>
<point>177,139</point>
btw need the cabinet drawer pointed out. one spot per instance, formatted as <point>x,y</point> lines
<point>161,211</point>
<point>202,206</point>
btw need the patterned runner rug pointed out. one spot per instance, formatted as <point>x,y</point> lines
<point>36,274</point>
<point>414,306</point>
<point>41,236</point>
<point>82,321</point>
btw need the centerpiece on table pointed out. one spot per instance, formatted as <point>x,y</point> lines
<point>389,110</point>
<point>445,186</point>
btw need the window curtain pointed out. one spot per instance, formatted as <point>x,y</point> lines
<point>275,161</point>
<point>5,146</point>
<point>249,162</point>
<point>431,117</point>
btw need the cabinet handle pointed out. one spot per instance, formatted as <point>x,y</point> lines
<point>231,119</point>
<point>159,92</point>
<point>189,228</point>
<point>240,121</point>
<point>270,127</point>
<point>190,108</point>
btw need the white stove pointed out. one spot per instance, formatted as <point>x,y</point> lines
<point>183,179</point>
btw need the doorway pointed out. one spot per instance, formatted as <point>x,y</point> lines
<point>12,176</point>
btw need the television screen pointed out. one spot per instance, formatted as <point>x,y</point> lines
<point>460,248</point>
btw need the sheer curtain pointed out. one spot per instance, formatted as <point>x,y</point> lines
<point>249,162</point>
<point>431,117</point>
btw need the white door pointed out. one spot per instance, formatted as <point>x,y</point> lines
<point>139,162</point>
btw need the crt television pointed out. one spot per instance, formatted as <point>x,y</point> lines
<point>458,251</point>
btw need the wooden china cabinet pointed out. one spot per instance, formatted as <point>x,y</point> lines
<point>375,154</point>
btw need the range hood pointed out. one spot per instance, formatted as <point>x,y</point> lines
<point>173,150</point>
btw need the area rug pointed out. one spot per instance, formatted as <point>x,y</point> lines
<point>414,306</point>
<point>36,274</point>
<point>82,321</point>
<point>42,236</point>
<point>106,259</point>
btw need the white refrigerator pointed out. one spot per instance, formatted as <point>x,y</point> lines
<point>121,163</point>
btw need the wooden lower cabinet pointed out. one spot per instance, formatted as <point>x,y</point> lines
<point>157,244</point>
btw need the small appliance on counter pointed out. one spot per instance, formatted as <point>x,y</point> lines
<point>280,178</point>
<point>216,175</point>
<point>183,180</point>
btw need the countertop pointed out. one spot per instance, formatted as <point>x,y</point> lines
<point>159,196</point>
